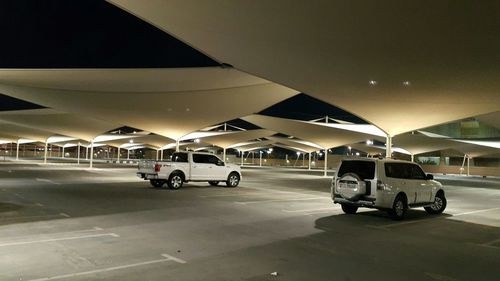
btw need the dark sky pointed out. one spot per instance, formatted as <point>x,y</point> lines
<point>96,34</point>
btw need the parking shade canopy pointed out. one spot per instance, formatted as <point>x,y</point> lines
<point>235,137</point>
<point>395,64</point>
<point>167,107</point>
<point>318,133</point>
<point>73,125</point>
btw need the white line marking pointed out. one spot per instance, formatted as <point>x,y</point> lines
<point>236,194</point>
<point>167,258</point>
<point>477,211</point>
<point>172,258</point>
<point>307,210</point>
<point>47,180</point>
<point>30,217</point>
<point>280,200</point>
<point>65,215</point>
<point>59,239</point>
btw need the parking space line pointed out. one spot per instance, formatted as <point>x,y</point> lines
<point>59,239</point>
<point>65,215</point>
<point>33,217</point>
<point>47,180</point>
<point>165,258</point>
<point>476,211</point>
<point>280,200</point>
<point>234,194</point>
<point>307,210</point>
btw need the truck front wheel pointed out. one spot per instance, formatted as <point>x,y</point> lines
<point>175,181</point>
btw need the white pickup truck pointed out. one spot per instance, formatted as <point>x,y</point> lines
<point>189,166</point>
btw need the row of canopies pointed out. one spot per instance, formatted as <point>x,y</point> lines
<point>389,67</point>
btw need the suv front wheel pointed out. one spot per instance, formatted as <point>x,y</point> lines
<point>439,204</point>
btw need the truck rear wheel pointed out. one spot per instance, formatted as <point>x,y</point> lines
<point>233,180</point>
<point>175,181</point>
<point>157,183</point>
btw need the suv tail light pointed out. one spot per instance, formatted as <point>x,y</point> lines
<point>157,167</point>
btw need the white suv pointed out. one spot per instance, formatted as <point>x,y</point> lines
<point>386,184</point>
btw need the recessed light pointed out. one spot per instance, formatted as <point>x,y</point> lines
<point>372,82</point>
<point>406,83</point>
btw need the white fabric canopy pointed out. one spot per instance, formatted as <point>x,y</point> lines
<point>174,114</point>
<point>393,63</point>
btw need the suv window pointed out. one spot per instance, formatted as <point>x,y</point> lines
<point>398,170</point>
<point>364,169</point>
<point>206,159</point>
<point>417,173</point>
<point>179,157</point>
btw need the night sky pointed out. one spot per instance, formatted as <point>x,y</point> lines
<point>96,34</point>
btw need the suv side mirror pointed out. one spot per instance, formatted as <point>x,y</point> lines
<point>220,163</point>
<point>429,177</point>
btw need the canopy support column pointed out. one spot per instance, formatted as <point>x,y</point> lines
<point>224,154</point>
<point>260,158</point>
<point>86,153</point>
<point>412,158</point>
<point>157,151</point>
<point>128,154</point>
<point>78,154</point>
<point>62,155</point>
<point>45,153</point>
<point>309,159</point>
<point>468,165</point>
<point>388,147</point>
<point>17,150</point>
<point>118,155</point>
<point>92,154</point>
<point>242,155</point>
<point>161,155</point>
<point>177,146</point>
<point>326,162</point>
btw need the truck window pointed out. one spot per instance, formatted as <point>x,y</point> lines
<point>364,169</point>
<point>180,157</point>
<point>205,159</point>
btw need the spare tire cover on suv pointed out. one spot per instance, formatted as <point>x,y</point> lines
<point>351,187</point>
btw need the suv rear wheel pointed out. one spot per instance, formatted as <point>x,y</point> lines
<point>439,204</point>
<point>398,208</point>
<point>349,209</point>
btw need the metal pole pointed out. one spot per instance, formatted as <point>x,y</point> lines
<point>224,152</point>
<point>326,162</point>
<point>118,155</point>
<point>463,164</point>
<point>309,160</point>
<point>468,165</point>
<point>177,146</point>
<point>91,154</point>
<point>17,150</point>
<point>161,155</point>
<point>412,158</point>
<point>45,154</point>
<point>78,154</point>
<point>260,158</point>
<point>388,147</point>
<point>128,154</point>
<point>242,154</point>
<point>86,153</point>
<point>62,152</point>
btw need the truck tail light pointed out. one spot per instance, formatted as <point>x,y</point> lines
<point>157,167</point>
